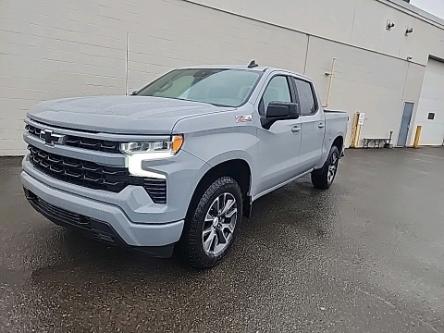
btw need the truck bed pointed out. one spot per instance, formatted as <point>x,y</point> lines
<point>334,111</point>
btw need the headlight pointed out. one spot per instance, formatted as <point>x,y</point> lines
<point>169,145</point>
<point>138,151</point>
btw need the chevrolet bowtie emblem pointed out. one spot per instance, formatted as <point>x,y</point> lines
<point>50,138</point>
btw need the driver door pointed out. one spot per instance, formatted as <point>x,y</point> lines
<point>279,158</point>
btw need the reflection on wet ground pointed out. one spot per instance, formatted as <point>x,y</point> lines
<point>366,255</point>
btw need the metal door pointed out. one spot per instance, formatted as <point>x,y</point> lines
<point>313,124</point>
<point>279,158</point>
<point>405,124</point>
<point>431,102</point>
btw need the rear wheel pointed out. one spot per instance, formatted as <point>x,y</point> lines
<point>324,177</point>
<point>211,227</point>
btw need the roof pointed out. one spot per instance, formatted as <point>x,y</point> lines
<point>245,67</point>
<point>412,10</point>
<point>256,69</point>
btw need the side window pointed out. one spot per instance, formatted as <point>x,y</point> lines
<point>276,91</point>
<point>306,97</point>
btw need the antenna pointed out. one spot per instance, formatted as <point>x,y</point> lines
<point>252,64</point>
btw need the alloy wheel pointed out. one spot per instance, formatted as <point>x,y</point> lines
<point>332,167</point>
<point>220,222</point>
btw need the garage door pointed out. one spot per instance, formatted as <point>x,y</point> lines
<point>430,112</point>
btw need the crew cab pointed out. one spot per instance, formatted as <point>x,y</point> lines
<point>179,163</point>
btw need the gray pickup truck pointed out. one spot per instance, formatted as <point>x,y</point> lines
<point>181,161</point>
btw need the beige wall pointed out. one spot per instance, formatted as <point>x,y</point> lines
<point>59,48</point>
<point>363,82</point>
<point>356,22</point>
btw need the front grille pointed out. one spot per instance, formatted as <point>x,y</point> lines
<point>94,228</point>
<point>79,142</point>
<point>93,175</point>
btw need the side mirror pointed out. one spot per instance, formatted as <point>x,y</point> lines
<point>134,93</point>
<point>279,111</point>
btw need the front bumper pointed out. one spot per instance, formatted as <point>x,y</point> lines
<point>90,227</point>
<point>130,232</point>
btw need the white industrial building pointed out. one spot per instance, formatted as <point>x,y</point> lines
<point>388,54</point>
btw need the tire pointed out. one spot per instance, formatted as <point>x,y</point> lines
<point>207,226</point>
<point>324,177</point>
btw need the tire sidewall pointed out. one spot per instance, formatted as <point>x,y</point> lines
<point>319,177</point>
<point>194,245</point>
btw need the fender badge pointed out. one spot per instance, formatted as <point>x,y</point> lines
<point>244,118</point>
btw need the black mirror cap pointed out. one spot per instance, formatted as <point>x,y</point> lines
<point>134,93</point>
<point>279,111</point>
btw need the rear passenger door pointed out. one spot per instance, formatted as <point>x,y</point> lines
<point>312,124</point>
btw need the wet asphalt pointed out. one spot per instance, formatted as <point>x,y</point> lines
<point>365,256</point>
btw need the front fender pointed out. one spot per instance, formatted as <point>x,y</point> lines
<point>218,138</point>
<point>217,148</point>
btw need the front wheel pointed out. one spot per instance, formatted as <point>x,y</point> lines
<point>324,177</point>
<point>211,228</point>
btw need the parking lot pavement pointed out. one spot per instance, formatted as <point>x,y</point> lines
<point>367,255</point>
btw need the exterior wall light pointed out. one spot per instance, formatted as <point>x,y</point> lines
<point>390,25</point>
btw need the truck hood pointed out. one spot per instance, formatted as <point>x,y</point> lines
<point>119,114</point>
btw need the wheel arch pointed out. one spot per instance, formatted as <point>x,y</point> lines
<point>237,168</point>
<point>339,142</point>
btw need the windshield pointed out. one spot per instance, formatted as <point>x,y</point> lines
<point>225,87</point>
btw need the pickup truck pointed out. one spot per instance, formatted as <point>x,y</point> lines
<point>179,163</point>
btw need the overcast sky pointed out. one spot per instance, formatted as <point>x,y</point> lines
<point>435,7</point>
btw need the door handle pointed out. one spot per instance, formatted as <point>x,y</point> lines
<point>296,129</point>
<point>321,125</point>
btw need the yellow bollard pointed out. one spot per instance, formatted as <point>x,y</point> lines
<point>417,136</point>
